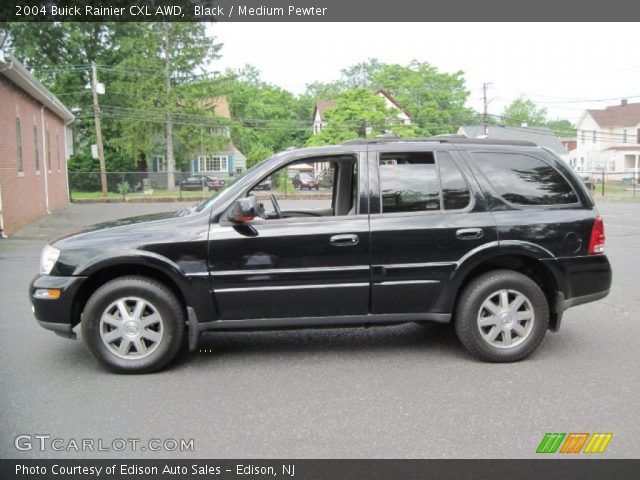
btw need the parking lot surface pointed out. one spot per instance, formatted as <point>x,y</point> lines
<point>405,391</point>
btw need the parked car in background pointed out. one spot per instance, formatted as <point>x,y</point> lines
<point>264,185</point>
<point>202,182</point>
<point>588,182</point>
<point>305,180</point>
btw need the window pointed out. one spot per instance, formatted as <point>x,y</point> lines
<point>220,131</point>
<point>408,182</point>
<point>58,150</point>
<point>581,136</point>
<point>306,197</point>
<point>455,191</point>
<point>48,151</point>
<point>638,136</point>
<point>594,136</point>
<point>159,163</point>
<point>19,146</point>
<point>35,147</point>
<point>525,180</point>
<point>213,164</point>
<point>238,170</point>
<point>624,136</point>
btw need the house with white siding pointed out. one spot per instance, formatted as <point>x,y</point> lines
<point>609,140</point>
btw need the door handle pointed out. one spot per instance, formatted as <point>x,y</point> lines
<point>469,233</point>
<point>344,240</point>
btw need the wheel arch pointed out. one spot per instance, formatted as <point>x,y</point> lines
<point>523,262</point>
<point>101,273</point>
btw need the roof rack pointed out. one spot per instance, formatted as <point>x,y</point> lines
<point>439,139</point>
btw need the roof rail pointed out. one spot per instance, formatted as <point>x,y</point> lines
<point>439,139</point>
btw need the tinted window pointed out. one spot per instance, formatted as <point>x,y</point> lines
<point>455,191</point>
<point>525,180</point>
<point>408,182</point>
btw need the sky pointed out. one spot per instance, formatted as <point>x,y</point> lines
<point>565,67</point>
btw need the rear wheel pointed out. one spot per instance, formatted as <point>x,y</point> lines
<point>133,325</point>
<point>502,316</point>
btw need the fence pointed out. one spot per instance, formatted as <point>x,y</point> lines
<point>612,185</point>
<point>155,186</point>
<point>143,186</point>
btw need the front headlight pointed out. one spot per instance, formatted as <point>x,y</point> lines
<point>48,259</point>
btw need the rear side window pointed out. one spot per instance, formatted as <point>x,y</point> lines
<point>408,182</point>
<point>525,180</point>
<point>455,191</point>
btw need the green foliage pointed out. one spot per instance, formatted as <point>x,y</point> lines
<point>269,117</point>
<point>257,154</point>
<point>435,100</point>
<point>359,113</point>
<point>123,187</point>
<point>523,110</point>
<point>562,128</point>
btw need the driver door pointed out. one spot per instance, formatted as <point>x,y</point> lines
<point>312,262</point>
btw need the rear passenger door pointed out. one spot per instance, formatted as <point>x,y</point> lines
<point>425,217</point>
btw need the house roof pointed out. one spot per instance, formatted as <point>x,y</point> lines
<point>539,135</point>
<point>219,104</point>
<point>623,115</point>
<point>392,100</point>
<point>322,106</point>
<point>18,74</point>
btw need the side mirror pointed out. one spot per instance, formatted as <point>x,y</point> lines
<point>243,210</point>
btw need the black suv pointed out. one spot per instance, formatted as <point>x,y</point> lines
<point>498,238</point>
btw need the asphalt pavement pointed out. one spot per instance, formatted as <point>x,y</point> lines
<point>405,391</point>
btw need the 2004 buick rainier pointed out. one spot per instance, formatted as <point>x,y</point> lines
<point>496,238</point>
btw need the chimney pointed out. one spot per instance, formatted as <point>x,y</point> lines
<point>623,102</point>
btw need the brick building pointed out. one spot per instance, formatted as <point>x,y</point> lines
<point>35,141</point>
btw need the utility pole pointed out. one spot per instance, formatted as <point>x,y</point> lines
<point>96,116</point>
<point>485,115</point>
<point>171,163</point>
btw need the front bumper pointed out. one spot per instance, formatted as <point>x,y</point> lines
<point>60,314</point>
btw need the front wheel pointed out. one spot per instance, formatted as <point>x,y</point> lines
<point>133,325</point>
<point>502,316</point>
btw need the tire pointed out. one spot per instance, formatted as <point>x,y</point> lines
<point>154,330</point>
<point>498,328</point>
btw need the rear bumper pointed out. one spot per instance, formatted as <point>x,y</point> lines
<point>58,314</point>
<point>580,280</point>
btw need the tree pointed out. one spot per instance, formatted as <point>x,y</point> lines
<point>359,113</point>
<point>435,100</point>
<point>562,128</point>
<point>524,111</point>
<point>158,70</point>
<point>266,117</point>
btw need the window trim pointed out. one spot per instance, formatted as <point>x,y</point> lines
<point>518,206</point>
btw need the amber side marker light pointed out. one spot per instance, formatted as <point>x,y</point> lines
<point>48,293</point>
<point>596,243</point>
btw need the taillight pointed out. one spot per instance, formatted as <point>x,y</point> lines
<point>596,243</point>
